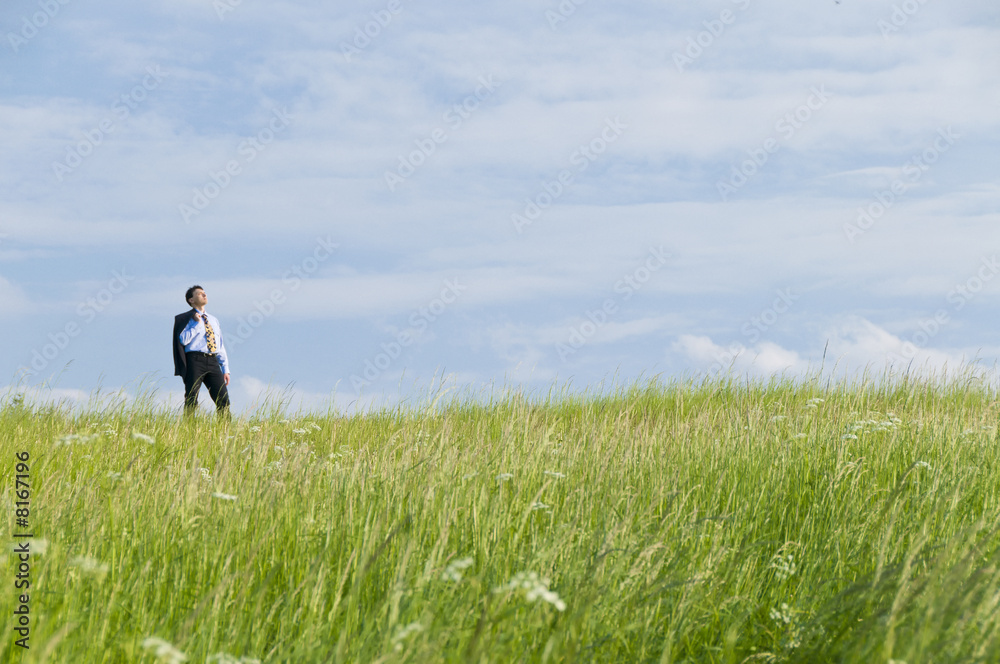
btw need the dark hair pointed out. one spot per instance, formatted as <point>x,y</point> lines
<point>190,293</point>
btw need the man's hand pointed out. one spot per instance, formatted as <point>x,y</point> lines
<point>225,377</point>
<point>196,317</point>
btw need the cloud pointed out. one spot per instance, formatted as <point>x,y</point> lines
<point>851,345</point>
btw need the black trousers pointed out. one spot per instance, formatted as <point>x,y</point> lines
<point>204,368</point>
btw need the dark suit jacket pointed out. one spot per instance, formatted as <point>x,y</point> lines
<point>180,360</point>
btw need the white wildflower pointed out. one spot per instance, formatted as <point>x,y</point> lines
<point>299,431</point>
<point>283,421</point>
<point>226,658</point>
<point>453,572</point>
<point>848,436</point>
<point>206,474</point>
<point>71,439</point>
<point>504,476</point>
<point>404,632</point>
<point>164,651</point>
<point>223,496</point>
<point>922,464</point>
<point>149,440</point>
<point>539,506</point>
<point>784,567</point>
<point>314,426</point>
<point>778,418</point>
<point>88,565</point>
<point>554,474</point>
<point>815,401</point>
<point>113,476</point>
<point>36,547</point>
<point>784,614</point>
<point>534,587</point>
<point>254,429</point>
<point>800,436</point>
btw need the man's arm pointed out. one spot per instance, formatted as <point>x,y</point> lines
<point>192,329</point>
<point>223,356</point>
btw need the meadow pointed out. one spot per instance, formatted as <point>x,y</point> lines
<point>694,521</point>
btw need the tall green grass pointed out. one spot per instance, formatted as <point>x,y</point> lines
<point>716,521</point>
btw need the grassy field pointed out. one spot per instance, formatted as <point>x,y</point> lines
<point>711,522</point>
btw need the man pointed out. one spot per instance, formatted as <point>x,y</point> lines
<point>199,353</point>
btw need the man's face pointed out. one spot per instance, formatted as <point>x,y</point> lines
<point>198,298</point>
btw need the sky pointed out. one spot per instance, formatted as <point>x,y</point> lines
<point>382,197</point>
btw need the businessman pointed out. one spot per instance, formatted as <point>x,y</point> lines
<point>199,353</point>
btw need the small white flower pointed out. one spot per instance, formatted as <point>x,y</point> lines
<point>71,439</point>
<point>778,418</point>
<point>783,614</point>
<point>403,632</point>
<point>848,436</point>
<point>254,429</point>
<point>163,650</point>
<point>554,474</point>
<point>206,474</point>
<point>534,587</point>
<point>149,440</point>
<point>298,431</point>
<point>815,401</point>
<point>223,496</point>
<point>113,476</point>
<point>504,476</point>
<point>784,568</point>
<point>922,464</point>
<point>800,436</point>
<point>283,421</point>
<point>226,658</point>
<point>539,506</point>
<point>314,426</point>
<point>36,547</point>
<point>89,566</point>
<point>453,572</point>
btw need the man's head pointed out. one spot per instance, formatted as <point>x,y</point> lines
<point>196,297</point>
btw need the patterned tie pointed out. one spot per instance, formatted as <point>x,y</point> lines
<point>209,334</point>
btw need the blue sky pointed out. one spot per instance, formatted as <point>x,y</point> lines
<point>378,193</point>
